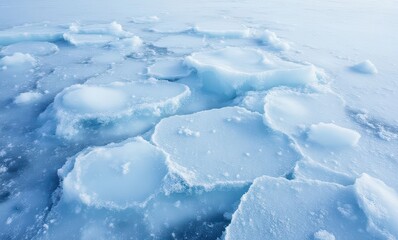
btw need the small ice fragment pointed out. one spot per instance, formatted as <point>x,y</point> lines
<point>324,235</point>
<point>18,59</point>
<point>27,97</point>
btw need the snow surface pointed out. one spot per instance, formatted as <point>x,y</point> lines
<point>198,119</point>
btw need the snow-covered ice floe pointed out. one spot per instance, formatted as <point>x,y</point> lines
<point>276,208</point>
<point>233,141</point>
<point>115,110</point>
<point>231,71</point>
<point>169,69</point>
<point>97,34</point>
<point>115,176</point>
<point>32,48</point>
<point>31,32</point>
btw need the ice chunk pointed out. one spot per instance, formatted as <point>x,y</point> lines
<point>113,28</point>
<point>271,40</point>
<point>87,111</point>
<point>169,68</point>
<point>27,97</point>
<point>380,204</point>
<point>31,32</point>
<point>33,48</point>
<point>323,235</point>
<point>232,140</point>
<point>116,176</point>
<point>18,59</point>
<point>365,67</point>
<point>86,39</point>
<point>276,208</point>
<point>332,135</point>
<point>97,34</point>
<point>231,71</point>
<point>129,45</point>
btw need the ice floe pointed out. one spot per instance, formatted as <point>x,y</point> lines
<point>115,176</point>
<point>18,59</point>
<point>98,34</point>
<point>31,32</point>
<point>32,48</point>
<point>85,112</point>
<point>276,208</point>
<point>169,69</point>
<point>232,140</point>
<point>293,112</point>
<point>380,204</point>
<point>231,71</point>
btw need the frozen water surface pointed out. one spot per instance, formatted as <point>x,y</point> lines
<point>221,119</point>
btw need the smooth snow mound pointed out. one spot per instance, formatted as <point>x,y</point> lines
<point>33,48</point>
<point>365,67</point>
<point>332,135</point>
<point>227,146</point>
<point>231,71</point>
<point>27,97</point>
<point>116,176</point>
<point>18,59</point>
<point>380,204</point>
